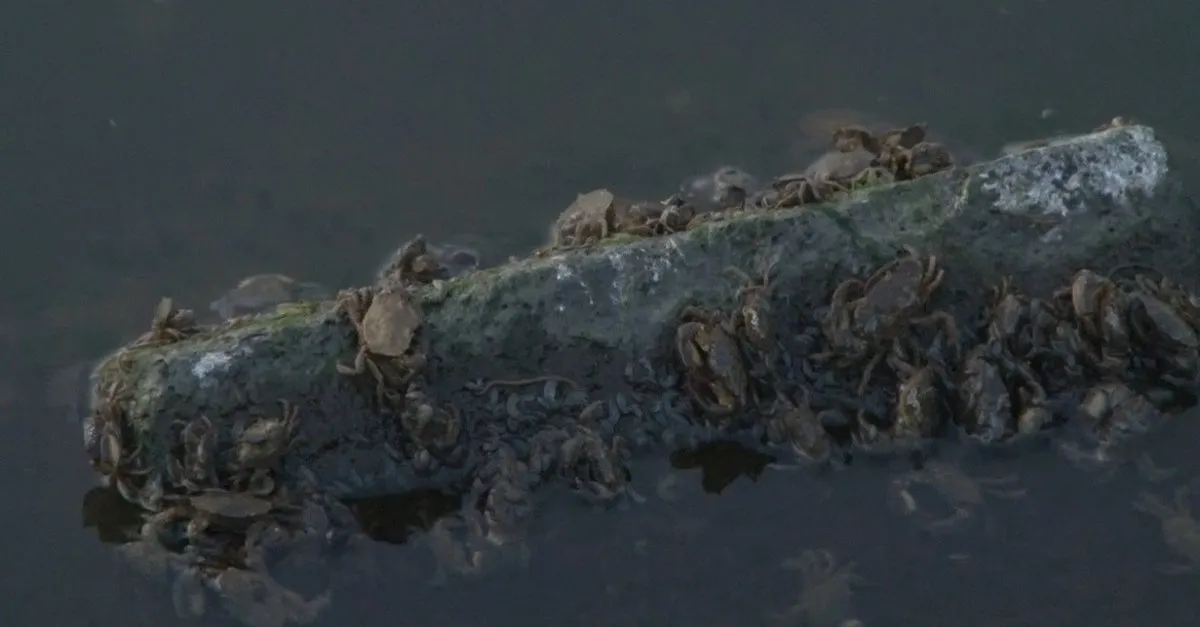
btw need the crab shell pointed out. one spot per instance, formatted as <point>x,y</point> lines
<point>390,323</point>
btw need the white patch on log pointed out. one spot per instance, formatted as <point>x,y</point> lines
<point>210,363</point>
<point>1064,176</point>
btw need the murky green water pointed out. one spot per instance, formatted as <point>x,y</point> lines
<point>171,147</point>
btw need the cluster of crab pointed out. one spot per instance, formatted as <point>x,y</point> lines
<point>1119,354</point>
<point>219,520</point>
<point>1131,345</point>
<point>858,158</point>
<point>215,515</point>
<point>392,352</point>
<point>731,368</point>
<point>524,442</point>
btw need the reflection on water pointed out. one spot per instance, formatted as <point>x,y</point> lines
<point>171,148</point>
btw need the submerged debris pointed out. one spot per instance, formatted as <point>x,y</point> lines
<point>261,293</point>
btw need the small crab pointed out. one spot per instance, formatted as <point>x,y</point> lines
<point>825,590</point>
<point>901,138</point>
<point>118,464</point>
<point>413,263</point>
<point>999,396</point>
<point>1099,305</point>
<point>1179,528</point>
<point>868,321</point>
<point>169,325</point>
<point>715,375</point>
<point>725,187</point>
<point>752,319</point>
<point>919,411</point>
<point>855,137</point>
<point>986,406</point>
<point>588,219</point>
<point>386,329</point>
<point>927,158</point>
<point>798,426</point>
<point>1162,328</point>
<point>963,494</point>
<point>264,442</point>
<point>839,170</point>
<point>433,427</point>
<point>197,469</point>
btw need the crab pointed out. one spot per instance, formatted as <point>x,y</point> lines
<point>387,329</point>
<point>901,138</point>
<point>263,443</point>
<point>1000,397</point>
<point>798,426</point>
<point>1155,324</point>
<point>854,137</point>
<point>588,219</point>
<point>839,170</point>
<point>723,188</point>
<point>752,319</point>
<point>169,325</point>
<point>714,372</point>
<point>1098,305</point>
<point>926,158</point>
<point>1179,528</point>
<point>592,464</point>
<point>963,494</point>
<point>118,464</point>
<point>825,590</point>
<point>413,263</point>
<point>919,411</point>
<point>197,469</point>
<point>868,321</point>
<point>433,427</point>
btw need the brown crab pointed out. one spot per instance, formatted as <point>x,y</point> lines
<point>588,219</point>
<point>197,469</point>
<point>999,396</point>
<point>169,325</point>
<point>962,493</point>
<point>798,426</point>
<point>433,427</point>
<point>868,321</point>
<point>1098,305</point>
<point>927,158</point>
<point>386,330</point>
<point>919,411</point>
<point>1179,528</point>
<point>1155,324</point>
<point>263,443</point>
<point>413,264</point>
<point>752,319</point>
<point>118,464</point>
<point>714,373</point>
<point>839,171</point>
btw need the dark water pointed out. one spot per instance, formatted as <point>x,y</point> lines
<point>170,147</point>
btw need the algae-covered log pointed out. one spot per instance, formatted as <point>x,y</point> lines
<point>1098,200</point>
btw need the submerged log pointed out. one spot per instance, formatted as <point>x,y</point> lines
<point>1097,200</point>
